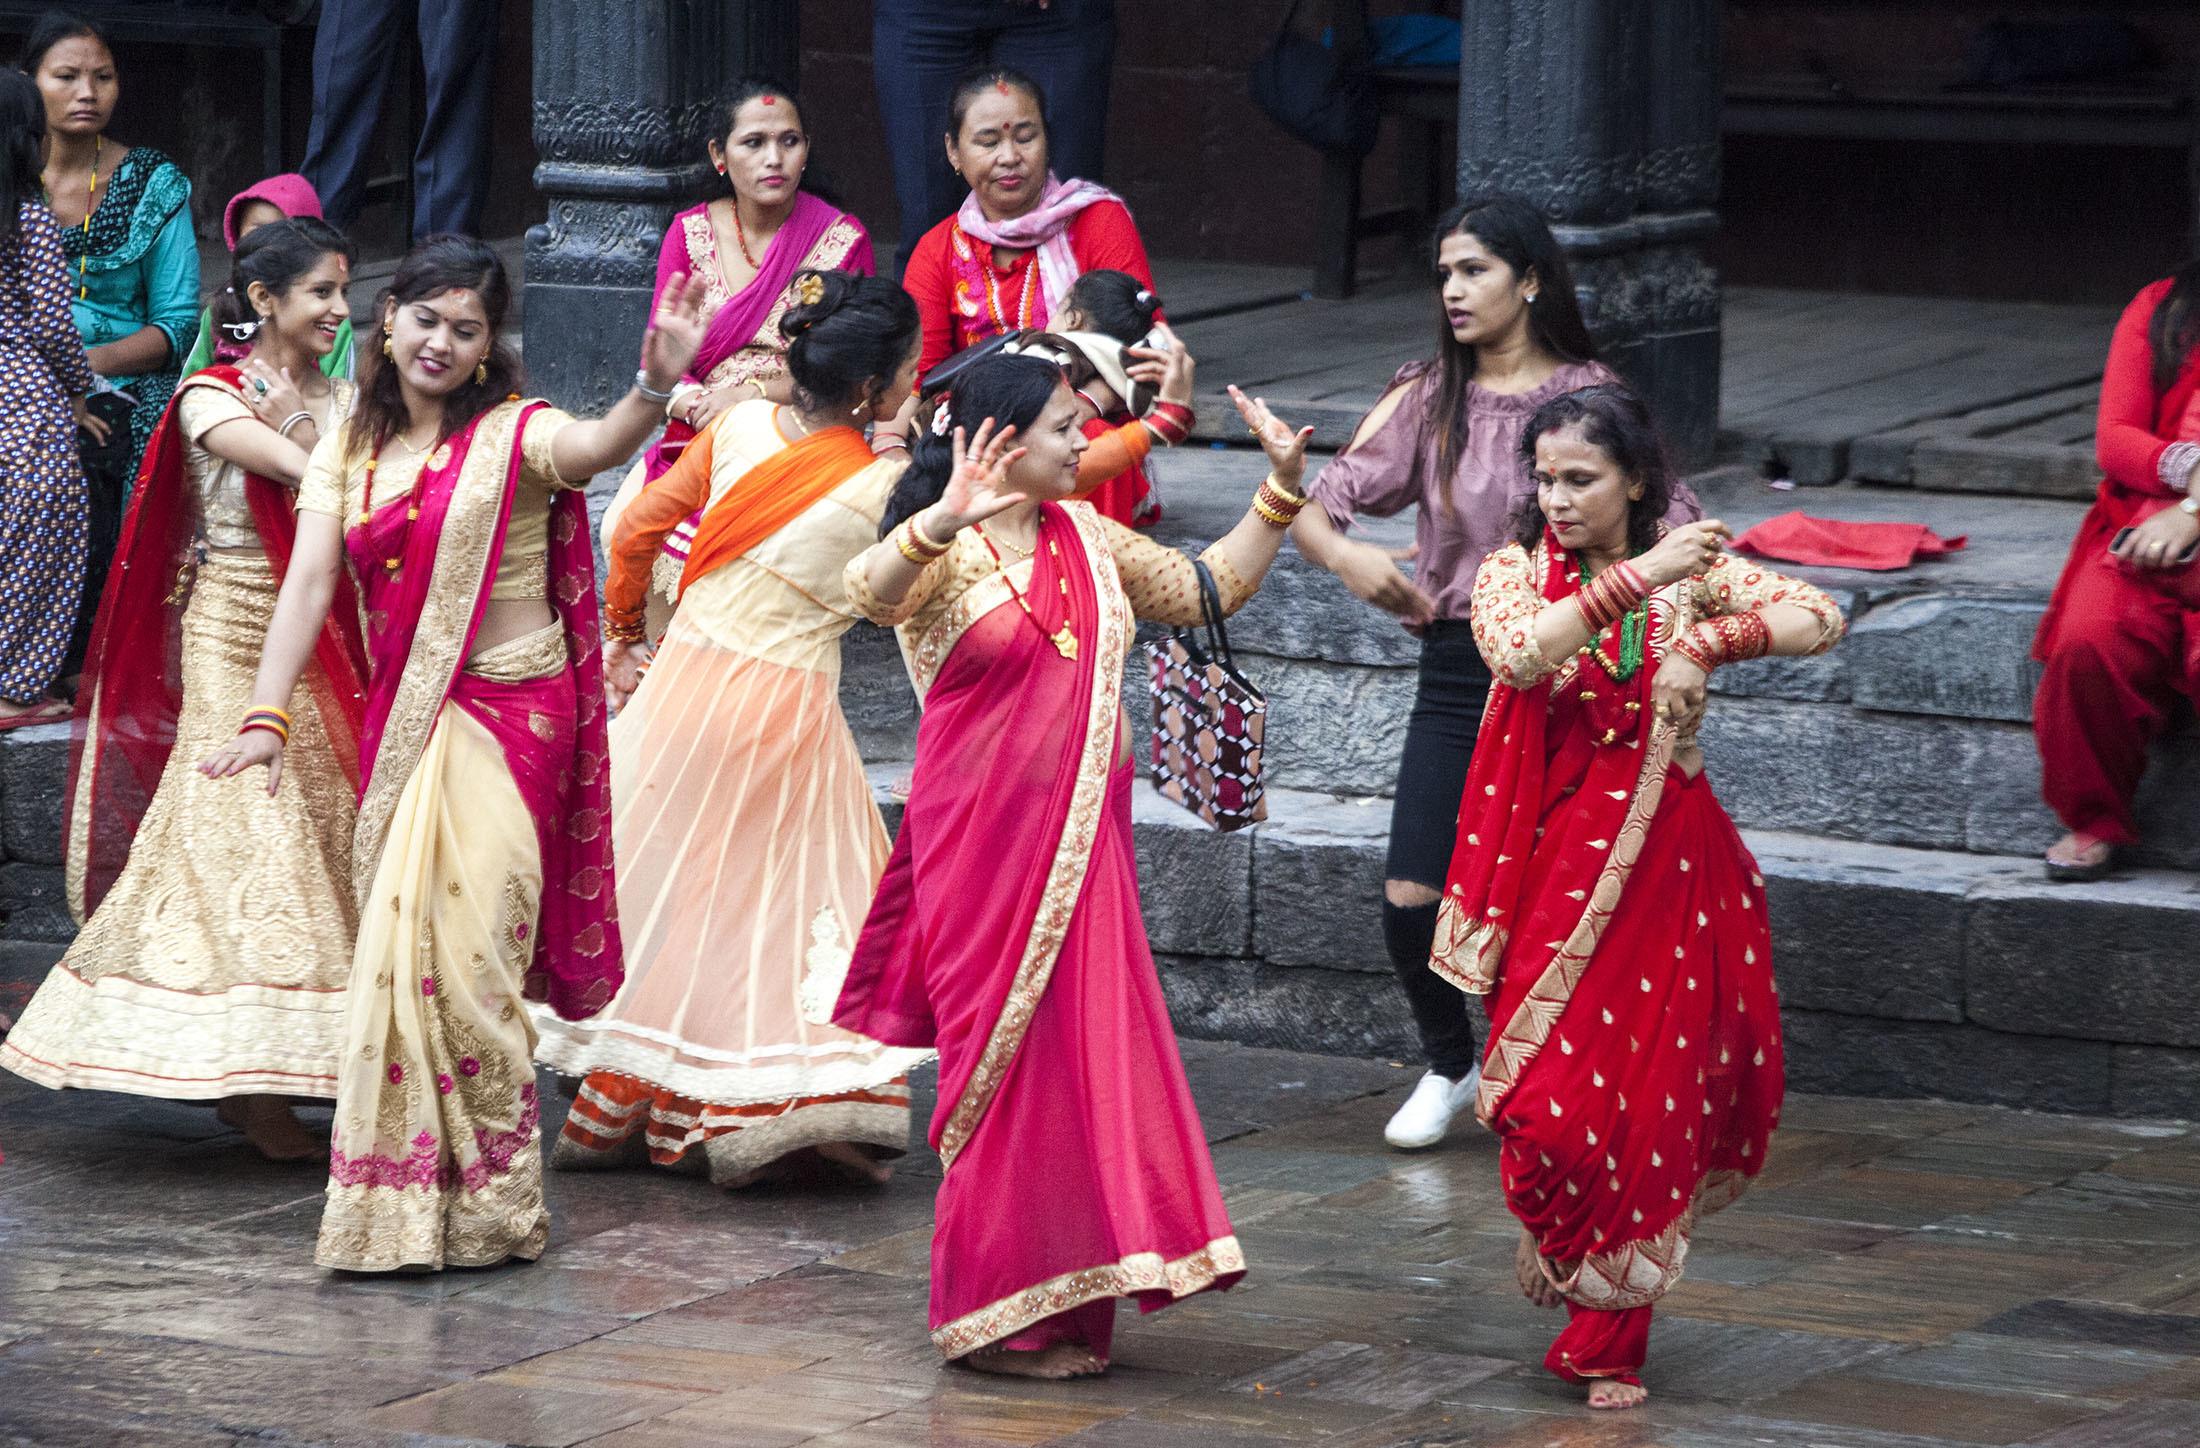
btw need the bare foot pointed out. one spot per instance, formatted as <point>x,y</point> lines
<point>847,1157</point>
<point>1607,1393</point>
<point>1063,1360</point>
<point>271,1126</point>
<point>1528,1269</point>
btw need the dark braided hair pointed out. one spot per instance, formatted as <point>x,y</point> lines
<point>844,349</point>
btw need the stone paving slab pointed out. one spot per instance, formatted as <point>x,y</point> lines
<point>1907,1275</point>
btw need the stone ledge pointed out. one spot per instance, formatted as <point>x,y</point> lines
<point>34,768</point>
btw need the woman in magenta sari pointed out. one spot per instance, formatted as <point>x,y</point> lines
<point>482,855</point>
<point>746,248</point>
<point>1006,932</point>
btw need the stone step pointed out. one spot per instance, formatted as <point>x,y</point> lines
<point>1901,972</point>
<point>1914,732</point>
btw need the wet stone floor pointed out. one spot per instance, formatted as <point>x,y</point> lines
<point>1906,1276</point>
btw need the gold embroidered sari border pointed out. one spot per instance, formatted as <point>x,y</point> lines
<point>1537,1015</point>
<point>1066,875</point>
<point>461,565</point>
<point>1139,1272</point>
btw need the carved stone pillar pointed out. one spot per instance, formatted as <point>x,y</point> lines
<point>622,96</point>
<point>1605,113</point>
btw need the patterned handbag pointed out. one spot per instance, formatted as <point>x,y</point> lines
<point>1208,722</point>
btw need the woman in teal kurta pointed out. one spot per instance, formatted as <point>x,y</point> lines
<point>125,217</point>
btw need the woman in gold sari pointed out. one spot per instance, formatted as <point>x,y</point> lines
<point>482,854</point>
<point>217,926</point>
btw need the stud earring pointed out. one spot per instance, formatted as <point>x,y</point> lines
<point>481,373</point>
<point>1530,298</point>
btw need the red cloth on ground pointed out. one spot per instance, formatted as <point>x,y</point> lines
<point>1832,543</point>
<point>1102,237</point>
<point>2119,643</point>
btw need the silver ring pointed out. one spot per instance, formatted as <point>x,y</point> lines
<point>259,385</point>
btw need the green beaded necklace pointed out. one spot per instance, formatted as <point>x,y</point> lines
<point>1634,629</point>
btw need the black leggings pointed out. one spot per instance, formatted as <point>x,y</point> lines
<point>1424,821</point>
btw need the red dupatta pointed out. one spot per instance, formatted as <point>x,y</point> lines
<point>1512,902</point>
<point>1014,754</point>
<point>419,642</point>
<point>124,727</point>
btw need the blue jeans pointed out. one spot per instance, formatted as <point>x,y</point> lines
<point>920,48</point>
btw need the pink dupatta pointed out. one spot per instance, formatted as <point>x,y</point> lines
<point>418,640</point>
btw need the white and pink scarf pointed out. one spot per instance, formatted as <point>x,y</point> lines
<point>1044,229</point>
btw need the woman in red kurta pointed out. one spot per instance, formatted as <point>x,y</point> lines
<point>2121,639</point>
<point>1598,894</point>
<point>1006,260</point>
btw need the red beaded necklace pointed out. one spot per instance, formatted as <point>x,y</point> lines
<point>1064,641</point>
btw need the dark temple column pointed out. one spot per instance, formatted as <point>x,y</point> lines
<point>1605,113</point>
<point>622,92</point>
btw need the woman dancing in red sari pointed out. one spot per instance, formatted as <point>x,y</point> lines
<point>1006,931</point>
<point>1599,895</point>
<point>482,855</point>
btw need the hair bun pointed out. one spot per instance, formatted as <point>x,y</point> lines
<point>815,295</point>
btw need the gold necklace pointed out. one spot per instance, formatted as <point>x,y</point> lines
<point>1064,641</point>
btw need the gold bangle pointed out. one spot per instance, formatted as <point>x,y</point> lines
<point>1272,517</point>
<point>913,545</point>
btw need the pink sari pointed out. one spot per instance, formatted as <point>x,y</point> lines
<point>483,860</point>
<point>1007,934</point>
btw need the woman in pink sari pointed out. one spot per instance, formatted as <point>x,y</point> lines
<point>1006,932</point>
<point>482,855</point>
<point>746,248</point>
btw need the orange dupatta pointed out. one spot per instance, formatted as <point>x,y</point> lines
<point>773,494</point>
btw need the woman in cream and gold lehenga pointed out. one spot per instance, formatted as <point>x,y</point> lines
<point>747,840</point>
<point>218,923</point>
<point>482,854</point>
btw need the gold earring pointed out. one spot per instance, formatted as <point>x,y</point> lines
<point>387,350</point>
<point>481,373</point>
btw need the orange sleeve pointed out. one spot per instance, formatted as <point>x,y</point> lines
<point>1112,452</point>
<point>640,535</point>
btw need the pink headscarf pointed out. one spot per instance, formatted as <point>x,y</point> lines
<point>1044,227</point>
<point>289,193</point>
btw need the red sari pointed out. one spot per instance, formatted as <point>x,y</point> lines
<point>1006,933</point>
<point>1603,901</point>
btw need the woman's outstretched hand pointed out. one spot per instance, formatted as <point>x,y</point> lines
<point>252,747</point>
<point>977,488</point>
<point>1286,449</point>
<point>675,332</point>
<point>1168,369</point>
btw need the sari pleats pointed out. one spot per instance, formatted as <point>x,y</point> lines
<point>747,847</point>
<point>1093,1133</point>
<point>436,1161</point>
<point>1661,1084</point>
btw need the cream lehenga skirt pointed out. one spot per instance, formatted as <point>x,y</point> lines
<point>437,1159</point>
<point>216,964</point>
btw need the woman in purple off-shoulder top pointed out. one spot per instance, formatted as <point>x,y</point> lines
<point>1445,438</point>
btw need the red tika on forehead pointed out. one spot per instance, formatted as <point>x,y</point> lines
<point>769,100</point>
<point>1001,86</point>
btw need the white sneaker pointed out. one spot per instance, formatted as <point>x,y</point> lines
<point>1427,1114</point>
